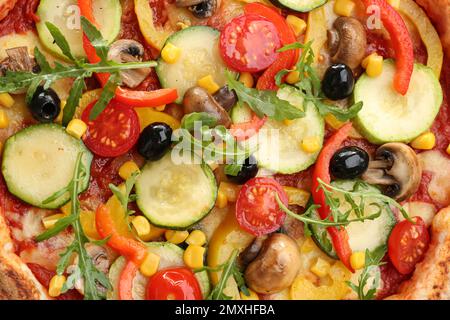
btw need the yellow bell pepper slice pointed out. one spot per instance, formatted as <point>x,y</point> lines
<point>427,32</point>
<point>316,31</point>
<point>156,37</point>
<point>148,116</point>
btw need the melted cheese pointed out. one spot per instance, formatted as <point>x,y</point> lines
<point>439,166</point>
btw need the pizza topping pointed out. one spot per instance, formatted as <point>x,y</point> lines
<point>226,98</point>
<point>397,169</point>
<point>18,60</point>
<point>155,141</point>
<point>338,82</point>
<point>349,163</point>
<point>204,9</point>
<point>45,105</point>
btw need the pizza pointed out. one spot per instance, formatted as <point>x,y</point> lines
<point>224,149</point>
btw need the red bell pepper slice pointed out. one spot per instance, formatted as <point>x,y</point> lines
<point>127,247</point>
<point>246,130</point>
<point>338,235</point>
<point>126,281</point>
<point>132,98</point>
<point>401,42</point>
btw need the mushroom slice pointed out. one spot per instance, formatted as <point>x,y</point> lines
<point>251,252</point>
<point>226,98</point>
<point>123,51</point>
<point>347,42</point>
<point>101,261</point>
<point>198,99</point>
<point>397,169</point>
<point>276,265</point>
<point>18,60</point>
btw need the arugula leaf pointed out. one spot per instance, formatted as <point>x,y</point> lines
<point>124,197</point>
<point>109,90</point>
<point>95,37</point>
<point>264,102</point>
<point>340,113</point>
<point>204,118</point>
<point>60,41</point>
<point>73,100</point>
<point>232,169</point>
<point>41,60</point>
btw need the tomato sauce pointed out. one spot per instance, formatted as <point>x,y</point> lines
<point>21,18</point>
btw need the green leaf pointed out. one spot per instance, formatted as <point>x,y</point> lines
<point>60,40</point>
<point>65,259</point>
<point>264,102</point>
<point>61,225</point>
<point>340,113</point>
<point>96,38</point>
<point>228,270</point>
<point>232,169</point>
<point>202,118</point>
<point>41,61</point>
<point>74,99</point>
<point>109,90</point>
<point>32,90</point>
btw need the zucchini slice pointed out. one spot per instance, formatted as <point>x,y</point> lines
<point>299,5</point>
<point>279,144</point>
<point>387,116</point>
<point>171,257</point>
<point>199,58</point>
<point>370,234</point>
<point>175,196</point>
<point>40,161</point>
<point>65,15</point>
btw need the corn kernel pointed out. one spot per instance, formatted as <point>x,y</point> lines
<point>287,122</point>
<point>307,246</point>
<point>6,100</point>
<point>127,169</point>
<point>293,77</point>
<point>321,268</point>
<point>56,284</point>
<point>344,8</point>
<point>50,221</point>
<point>297,24</point>
<point>150,264</point>
<point>87,220</point>
<point>176,237</point>
<point>193,256</point>
<point>394,4</point>
<point>76,128</point>
<point>253,295</point>
<point>61,112</point>
<point>4,119</point>
<point>222,200</point>
<point>230,190</point>
<point>197,237</point>
<point>358,260</point>
<point>67,208</point>
<point>373,65</point>
<point>297,196</point>
<point>311,144</point>
<point>426,141</point>
<point>170,53</point>
<point>141,226</point>
<point>247,79</point>
<point>208,84</point>
<point>161,108</point>
<point>183,24</point>
<point>448,150</point>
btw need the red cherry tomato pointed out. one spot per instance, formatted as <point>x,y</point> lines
<point>257,210</point>
<point>249,43</point>
<point>173,284</point>
<point>114,132</point>
<point>408,244</point>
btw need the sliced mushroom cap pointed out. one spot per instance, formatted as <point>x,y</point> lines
<point>198,99</point>
<point>251,252</point>
<point>276,265</point>
<point>397,169</point>
<point>101,261</point>
<point>226,98</point>
<point>347,42</point>
<point>18,60</point>
<point>126,50</point>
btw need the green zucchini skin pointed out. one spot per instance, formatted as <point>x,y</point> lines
<point>299,5</point>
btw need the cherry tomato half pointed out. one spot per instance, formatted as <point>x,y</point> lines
<point>257,210</point>
<point>408,244</point>
<point>173,284</point>
<point>249,43</point>
<point>114,132</point>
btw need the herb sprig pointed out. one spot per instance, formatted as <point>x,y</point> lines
<point>124,196</point>
<point>85,270</point>
<point>79,69</point>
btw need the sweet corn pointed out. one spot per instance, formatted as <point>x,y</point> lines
<point>197,237</point>
<point>4,119</point>
<point>287,122</point>
<point>426,141</point>
<point>50,221</point>
<point>141,226</point>
<point>297,196</point>
<point>183,24</point>
<point>155,233</point>
<point>193,256</point>
<point>56,284</point>
<point>373,65</point>
<point>247,79</point>
<point>230,190</point>
<point>311,144</point>
<point>293,77</point>
<point>67,208</point>
<point>61,112</point>
<point>222,200</point>
<point>150,264</point>
<point>394,3</point>
<point>208,84</point>
<point>76,128</point>
<point>308,246</point>
<point>321,267</point>
<point>253,295</point>
<point>127,169</point>
<point>448,150</point>
<point>6,100</point>
<point>344,7</point>
<point>87,220</point>
<point>358,260</point>
<point>297,24</point>
<point>161,108</point>
<point>170,53</point>
<point>176,237</point>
